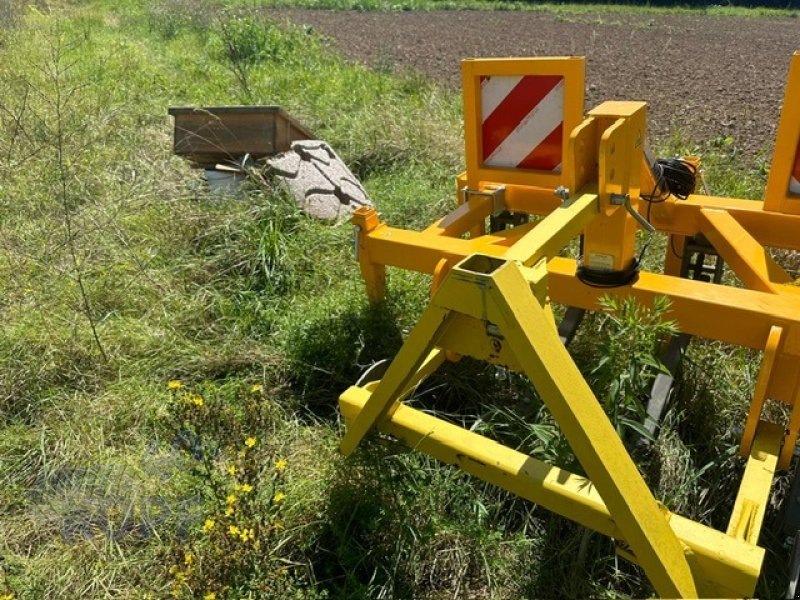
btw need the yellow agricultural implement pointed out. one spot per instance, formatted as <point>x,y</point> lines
<point>531,151</point>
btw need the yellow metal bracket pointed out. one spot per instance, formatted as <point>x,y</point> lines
<point>520,333</point>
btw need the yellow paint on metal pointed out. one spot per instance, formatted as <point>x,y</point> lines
<point>554,231</point>
<point>373,271</point>
<point>398,377</point>
<point>497,293</point>
<point>701,309</point>
<point>762,386</point>
<point>753,497</point>
<point>748,259</point>
<point>494,305</point>
<point>722,566</point>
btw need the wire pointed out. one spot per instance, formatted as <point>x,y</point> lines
<point>673,177</point>
<point>676,177</point>
<point>679,177</point>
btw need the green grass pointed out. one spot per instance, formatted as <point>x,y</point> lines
<point>119,273</point>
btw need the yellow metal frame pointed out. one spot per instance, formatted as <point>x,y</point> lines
<point>490,300</point>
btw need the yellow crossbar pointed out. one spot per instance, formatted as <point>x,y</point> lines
<point>721,565</point>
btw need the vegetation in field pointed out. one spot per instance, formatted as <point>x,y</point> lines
<point>170,359</point>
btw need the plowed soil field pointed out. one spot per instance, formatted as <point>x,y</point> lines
<point>710,78</point>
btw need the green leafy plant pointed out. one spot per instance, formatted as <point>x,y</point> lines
<point>237,547</point>
<point>628,358</point>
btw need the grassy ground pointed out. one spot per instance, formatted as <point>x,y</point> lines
<point>170,360</point>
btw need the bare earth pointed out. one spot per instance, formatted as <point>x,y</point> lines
<point>711,77</point>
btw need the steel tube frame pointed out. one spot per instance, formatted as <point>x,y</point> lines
<point>491,302</point>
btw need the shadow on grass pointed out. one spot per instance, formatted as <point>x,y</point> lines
<point>332,351</point>
<point>362,549</point>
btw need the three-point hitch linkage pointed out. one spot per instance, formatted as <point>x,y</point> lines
<point>531,152</point>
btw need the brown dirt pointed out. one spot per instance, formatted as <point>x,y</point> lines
<point>710,77</point>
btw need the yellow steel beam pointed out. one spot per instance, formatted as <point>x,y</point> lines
<point>753,497</point>
<point>399,376</point>
<point>682,217</point>
<point>466,216</point>
<point>761,390</point>
<point>769,228</point>
<point>700,308</point>
<point>507,303</point>
<point>722,566</point>
<point>748,259</point>
<point>553,232</point>
<point>419,251</point>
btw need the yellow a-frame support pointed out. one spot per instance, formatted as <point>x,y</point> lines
<point>491,301</point>
<point>494,296</point>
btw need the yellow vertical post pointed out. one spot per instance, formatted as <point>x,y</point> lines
<point>609,242</point>
<point>365,221</point>
<point>762,387</point>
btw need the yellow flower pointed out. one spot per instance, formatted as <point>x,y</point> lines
<point>173,384</point>
<point>232,470</point>
<point>256,389</point>
<point>210,596</point>
<point>280,465</point>
<point>278,497</point>
<point>231,499</point>
<point>208,525</point>
<point>197,400</point>
<point>173,569</point>
<point>188,558</point>
<point>234,530</point>
<point>247,534</point>
<point>250,442</point>
<point>229,511</point>
<point>246,488</point>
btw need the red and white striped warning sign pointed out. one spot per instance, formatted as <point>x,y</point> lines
<point>523,121</point>
<point>794,179</point>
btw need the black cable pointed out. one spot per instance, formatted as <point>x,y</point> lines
<point>676,177</point>
<point>672,247</point>
<point>679,176</point>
